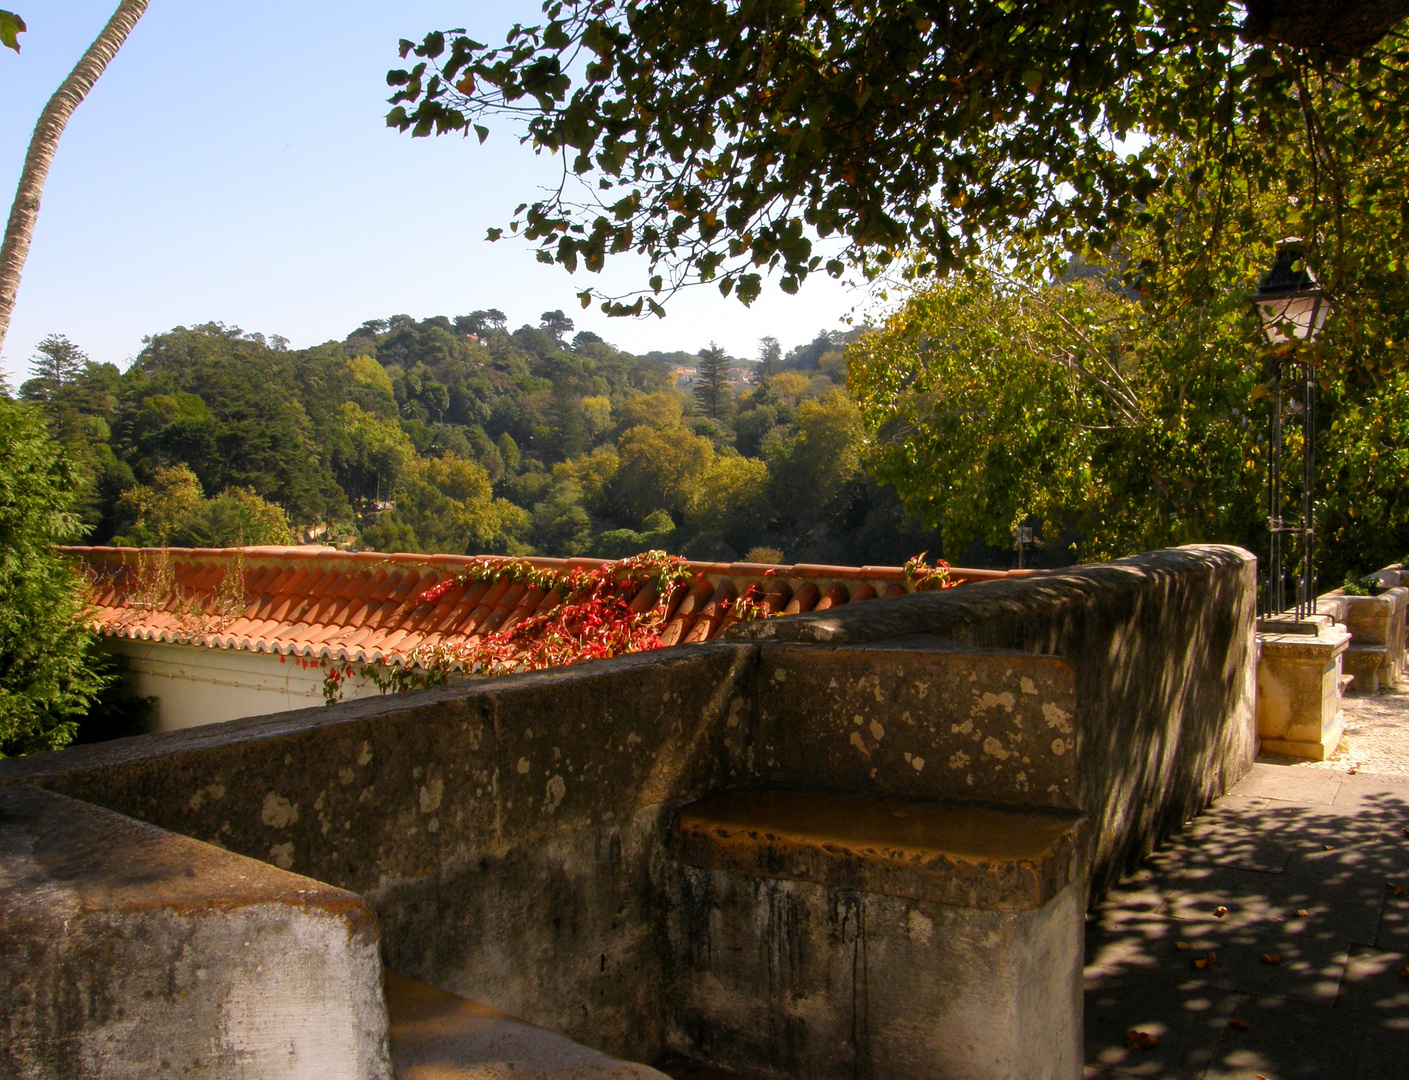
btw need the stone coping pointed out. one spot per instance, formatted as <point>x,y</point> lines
<point>128,951</point>
<point>952,853</point>
<point>66,858</point>
<point>1324,647</point>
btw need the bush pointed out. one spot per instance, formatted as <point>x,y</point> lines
<point>49,675</point>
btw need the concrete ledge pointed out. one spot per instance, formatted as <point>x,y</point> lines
<point>118,941</point>
<point>969,856</point>
<point>438,1036</point>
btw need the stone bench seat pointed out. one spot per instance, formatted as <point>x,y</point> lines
<point>1370,664</point>
<point>949,853</point>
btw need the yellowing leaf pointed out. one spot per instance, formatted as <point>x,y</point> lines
<point>1136,1039</point>
<point>11,25</point>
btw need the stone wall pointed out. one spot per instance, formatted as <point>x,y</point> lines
<point>128,953</point>
<point>508,834</point>
<point>514,836</point>
<point>1162,646</point>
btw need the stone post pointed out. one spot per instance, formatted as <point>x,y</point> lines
<point>1299,686</point>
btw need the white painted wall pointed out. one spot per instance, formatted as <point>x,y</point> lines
<point>196,685</point>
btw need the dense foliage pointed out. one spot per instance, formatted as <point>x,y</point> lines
<point>722,138</point>
<point>458,435</point>
<point>1125,406</point>
<point>48,673</point>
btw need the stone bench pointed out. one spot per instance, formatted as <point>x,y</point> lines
<point>517,837</point>
<point>1376,627</point>
<point>828,935</point>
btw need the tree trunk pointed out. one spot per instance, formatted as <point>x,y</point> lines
<point>42,144</point>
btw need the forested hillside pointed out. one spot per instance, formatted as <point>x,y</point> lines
<point>457,435</point>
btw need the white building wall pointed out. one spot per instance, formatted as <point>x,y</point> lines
<point>196,685</point>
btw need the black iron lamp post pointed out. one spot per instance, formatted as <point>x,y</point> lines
<point>1293,308</point>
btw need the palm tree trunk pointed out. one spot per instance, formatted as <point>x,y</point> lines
<point>42,144</point>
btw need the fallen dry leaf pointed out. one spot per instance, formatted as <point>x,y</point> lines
<point>1302,912</point>
<point>1238,1022</point>
<point>1325,847</point>
<point>1220,911</point>
<point>1136,1039</point>
<point>1271,958</point>
<point>1206,960</point>
<point>1398,890</point>
<point>1405,831</point>
<point>1404,973</point>
<point>1182,946</point>
<point>1352,772</point>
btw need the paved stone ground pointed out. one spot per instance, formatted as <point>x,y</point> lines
<point>1376,737</point>
<point>1270,938</point>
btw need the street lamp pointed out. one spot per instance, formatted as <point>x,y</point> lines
<point>1293,308</point>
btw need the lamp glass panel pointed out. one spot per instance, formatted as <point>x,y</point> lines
<point>1292,318</point>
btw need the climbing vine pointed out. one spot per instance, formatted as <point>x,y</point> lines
<point>609,610</point>
<point>923,576</point>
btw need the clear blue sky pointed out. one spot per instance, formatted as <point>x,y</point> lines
<point>233,165</point>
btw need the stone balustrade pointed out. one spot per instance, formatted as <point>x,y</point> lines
<point>1352,644</point>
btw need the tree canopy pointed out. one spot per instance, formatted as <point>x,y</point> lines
<point>721,139</point>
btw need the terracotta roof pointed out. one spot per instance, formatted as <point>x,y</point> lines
<point>326,604</point>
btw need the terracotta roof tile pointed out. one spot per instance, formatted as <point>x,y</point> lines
<point>805,599</point>
<point>362,607</point>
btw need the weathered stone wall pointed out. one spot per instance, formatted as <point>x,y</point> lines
<point>512,836</point>
<point>1162,645</point>
<point>128,953</point>
<point>806,981</point>
<point>920,717</point>
<point>508,834</point>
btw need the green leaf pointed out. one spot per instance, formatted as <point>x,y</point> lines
<point>11,25</point>
<point>482,132</point>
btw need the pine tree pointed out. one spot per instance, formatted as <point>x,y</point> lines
<point>557,324</point>
<point>770,356</point>
<point>712,382</point>
<point>57,363</point>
